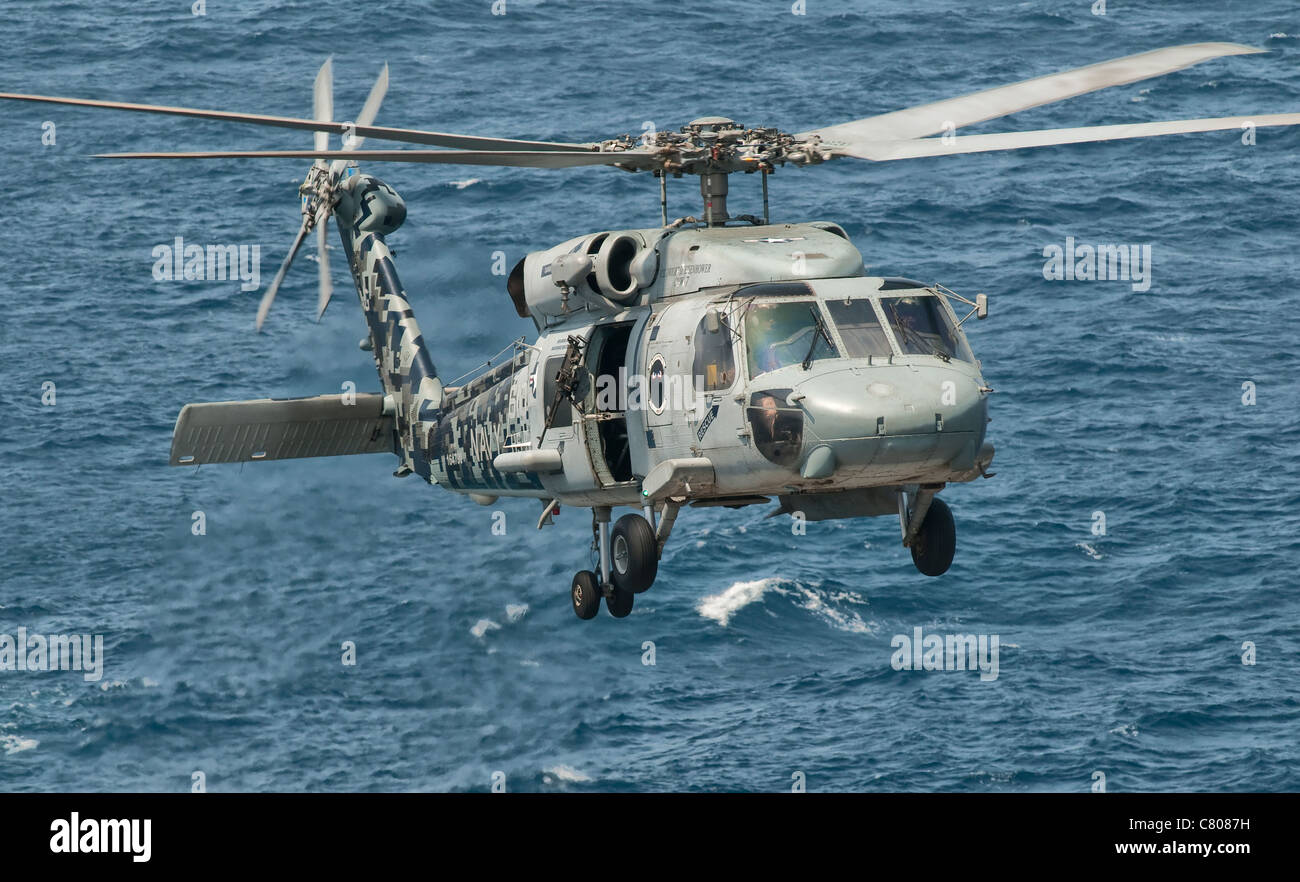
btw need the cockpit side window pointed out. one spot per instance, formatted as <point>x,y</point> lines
<point>715,358</point>
<point>922,327</point>
<point>859,328</point>
<point>784,333</point>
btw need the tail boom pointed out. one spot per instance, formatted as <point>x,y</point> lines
<point>367,210</point>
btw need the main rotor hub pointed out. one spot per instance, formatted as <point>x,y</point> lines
<point>713,145</point>
<point>316,190</point>
<point>715,124</point>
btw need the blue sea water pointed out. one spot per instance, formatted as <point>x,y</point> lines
<point>1120,653</point>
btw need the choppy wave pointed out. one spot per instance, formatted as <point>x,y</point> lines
<point>840,609</point>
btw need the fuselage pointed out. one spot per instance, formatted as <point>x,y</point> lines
<point>788,387</point>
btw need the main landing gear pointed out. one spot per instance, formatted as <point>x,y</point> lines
<point>629,561</point>
<point>928,529</point>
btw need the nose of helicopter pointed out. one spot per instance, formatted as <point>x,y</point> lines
<point>912,416</point>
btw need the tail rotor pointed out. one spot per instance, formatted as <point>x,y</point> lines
<point>318,188</point>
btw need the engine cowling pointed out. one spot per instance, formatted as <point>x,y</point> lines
<point>621,266</point>
<point>607,270</point>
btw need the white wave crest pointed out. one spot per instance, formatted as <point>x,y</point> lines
<point>832,607</point>
<point>482,626</point>
<point>567,774</point>
<point>13,744</point>
<point>721,607</point>
<point>829,607</point>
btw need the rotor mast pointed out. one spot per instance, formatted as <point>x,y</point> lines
<point>714,147</point>
<point>713,187</point>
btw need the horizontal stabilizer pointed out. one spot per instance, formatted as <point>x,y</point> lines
<point>281,428</point>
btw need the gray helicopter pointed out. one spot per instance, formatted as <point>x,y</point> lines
<point>714,360</point>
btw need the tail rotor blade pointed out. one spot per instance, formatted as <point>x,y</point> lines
<point>369,111</point>
<point>323,264</point>
<point>269,297</point>
<point>323,100</point>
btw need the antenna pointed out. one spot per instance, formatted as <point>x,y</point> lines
<point>663,194</point>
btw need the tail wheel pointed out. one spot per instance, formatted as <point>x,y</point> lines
<point>620,603</point>
<point>585,594</point>
<point>634,554</point>
<point>936,541</point>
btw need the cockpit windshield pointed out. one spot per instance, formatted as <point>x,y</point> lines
<point>785,333</point>
<point>859,328</point>
<point>923,327</point>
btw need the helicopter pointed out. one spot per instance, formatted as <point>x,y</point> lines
<point>713,360</point>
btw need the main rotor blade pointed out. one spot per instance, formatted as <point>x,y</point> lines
<point>528,159</point>
<point>322,101</point>
<point>269,297</point>
<point>326,285</point>
<point>931,119</point>
<point>881,151</point>
<point>413,136</point>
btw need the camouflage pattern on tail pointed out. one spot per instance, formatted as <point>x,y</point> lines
<point>367,210</point>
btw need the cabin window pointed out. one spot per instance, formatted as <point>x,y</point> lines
<point>781,334</point>
<point>859,328</point>
<point>715,358</point>
<point>657,384</point>
<point>923,327</point>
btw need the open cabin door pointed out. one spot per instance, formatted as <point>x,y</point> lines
<point>604,420</point>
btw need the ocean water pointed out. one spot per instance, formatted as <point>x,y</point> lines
<point>1120,653</point>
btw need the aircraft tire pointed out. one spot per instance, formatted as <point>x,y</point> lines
<point>634,554</point>
<point>585,594</point>
<point>620,603</point>
<point>936,541</point>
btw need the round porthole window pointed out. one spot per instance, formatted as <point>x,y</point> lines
<point>657,382</point>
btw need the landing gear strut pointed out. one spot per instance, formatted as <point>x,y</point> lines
<point>629,562</point>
